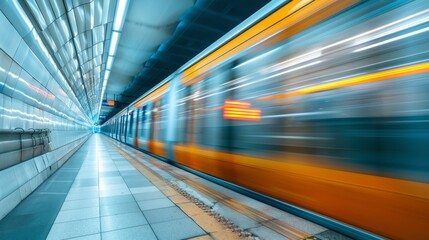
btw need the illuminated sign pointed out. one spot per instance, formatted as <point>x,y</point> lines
<point>240,110</point>
<point>108,103</point>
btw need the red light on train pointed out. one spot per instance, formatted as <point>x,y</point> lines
<point>240,110</point>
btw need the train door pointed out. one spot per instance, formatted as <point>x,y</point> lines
<point>116,128</point>
<point>144,128</point>
<point>152,130</point>
<point>171,99</point>
<point>130,127</point>
<point>123,128</point>
<point>136,127</point>
<point>118,134</point>
<point>189,109</point>
<point>202,125</point>
<point>126,122</point>
<point>112,128</point>
<point>156,140</point>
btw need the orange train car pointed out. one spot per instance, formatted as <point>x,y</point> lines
<point>319,104</point>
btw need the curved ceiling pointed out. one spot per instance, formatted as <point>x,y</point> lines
<point>160,36</point>
<point>88,43</point>
<point>76,34</point>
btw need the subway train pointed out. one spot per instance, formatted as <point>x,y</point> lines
<point>323,105</point>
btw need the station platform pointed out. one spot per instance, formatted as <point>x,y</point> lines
<point>108,190</point>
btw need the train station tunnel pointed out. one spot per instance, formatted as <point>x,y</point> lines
<point>214,119</point>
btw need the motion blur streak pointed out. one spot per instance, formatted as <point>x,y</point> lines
<point>380,76</point>
<point>320,104</point>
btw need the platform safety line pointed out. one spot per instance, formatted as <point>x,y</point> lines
<point>254,214</point>
<point>274,224</point>
<point>282,228</point>
<point>247,211</point>
<point>279,228</point>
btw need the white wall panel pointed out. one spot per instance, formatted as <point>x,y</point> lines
<point>8,42</point>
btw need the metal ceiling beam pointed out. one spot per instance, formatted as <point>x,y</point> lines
<point>29,14</point>
<point>80,68</point>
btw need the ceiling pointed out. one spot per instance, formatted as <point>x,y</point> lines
<point>76,34</point>
<point>157,37</point>
<point>160,36</point>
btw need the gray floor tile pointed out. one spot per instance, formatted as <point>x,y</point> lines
<point>86,182</point>
<point>164,214</point>
<point>177,229</point>
<point>55,187</point>
<point>115,222</point>
<point>116,199</point>
<point>241,220</point>
<point>155,203</point>
<point>80,196</point>
<point>77,214</point>
<point>140,232</point>
<point>129,207</point>
<point>114,192</point>
<point>111,180</point>
<point>137,183</point>
<point>74,229</point>
<point>130,173</point>
<point>66,175</point>
<point>84,203</point>
<point>88,237</point>
<point>148,196</point>
<point>110,174</point>
<point>144,189</point>
<point>265,233</point>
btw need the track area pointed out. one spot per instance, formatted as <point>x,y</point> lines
<point>248,217</point>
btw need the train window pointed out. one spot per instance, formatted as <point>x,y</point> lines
<point>126,119</point>
<point>143,113</point>
<point>131,125</point>
<point>208,116</point>
<point>120,126</point>
<point>157,120</point>
<point>211,129</point>
<point>123,125</point>
<point>116,127</point>
<point>183,113</point>
<point>162,118</point>
<point>118,122</point>
<point>152,122</point>
<point>136,122</point>
<point>199,109</point>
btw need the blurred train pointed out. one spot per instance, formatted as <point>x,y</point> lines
<point>319,104</point>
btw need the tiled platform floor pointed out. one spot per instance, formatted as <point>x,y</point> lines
<point>108,190</point>
<point>99,195</point>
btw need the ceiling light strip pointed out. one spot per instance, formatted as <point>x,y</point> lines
<point>118,22</point>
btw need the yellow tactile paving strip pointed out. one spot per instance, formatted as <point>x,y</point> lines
<point>208,223</point>
<point>282,228</point>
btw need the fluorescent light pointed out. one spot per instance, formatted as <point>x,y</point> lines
<point>120,15</point>
<point>109,62</point>
<point>393,39</point>
<point>23,15</point>
<point>92,14</point>
<point>113,43</point>
<point>103,89</point>
<point>114,40</point>
<point>106,76</point>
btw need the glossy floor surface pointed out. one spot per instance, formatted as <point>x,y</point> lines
<point>98,194</point>
<point>108,190</point>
